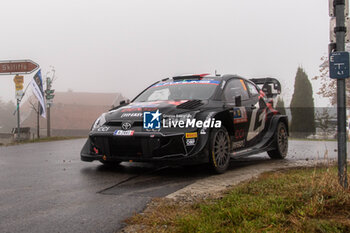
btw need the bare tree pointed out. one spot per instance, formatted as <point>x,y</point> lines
<point>324,121</point>
<point>35,105</point>
<point>328,87</point>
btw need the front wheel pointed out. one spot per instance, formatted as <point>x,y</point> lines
<point>219,150</point>
<point>280,143</point>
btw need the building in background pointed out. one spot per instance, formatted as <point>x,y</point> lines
<point>72,113</point>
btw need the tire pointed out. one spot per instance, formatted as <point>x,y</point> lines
<point>219,150</point>
<point>280,143</point>
<point>110,163</point>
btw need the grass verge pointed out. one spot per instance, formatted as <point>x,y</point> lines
<point>46,139</point>
<point>298,200</point>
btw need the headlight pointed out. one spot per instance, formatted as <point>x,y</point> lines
<point>99,122</point>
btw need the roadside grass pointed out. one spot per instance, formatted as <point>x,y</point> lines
<point>46,139</point>
<point>298,200</point>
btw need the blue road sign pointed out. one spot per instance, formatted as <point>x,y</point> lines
<point>339,65</point>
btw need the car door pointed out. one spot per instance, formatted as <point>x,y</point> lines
<point>236,97</point>
<point>258,115</point>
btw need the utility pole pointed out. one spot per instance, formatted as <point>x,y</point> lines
<point>49,93</point>
<point>19,80</point>
<point>340,31</point>
<point>48,120</point>
<point>339,69</point>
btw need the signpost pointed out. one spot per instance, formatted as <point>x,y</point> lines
<point>339,65</point>
<point>339,69</point>
<point>332,8</point>
<point>49,94</point>
<point>19,80</point>
<point>17,67</point>
<point>332,33</point>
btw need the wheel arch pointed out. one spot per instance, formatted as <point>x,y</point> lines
<point>277,119</point>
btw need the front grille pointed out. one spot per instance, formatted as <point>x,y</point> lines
<point>113,123</point>
<point>125,146</point>
<point>143,147</point>
<point>119,123</point>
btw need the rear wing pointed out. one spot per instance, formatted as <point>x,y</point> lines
<point>270,86</point>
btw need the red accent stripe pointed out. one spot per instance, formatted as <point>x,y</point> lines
<point>201,75</point>
<point>271,108</point>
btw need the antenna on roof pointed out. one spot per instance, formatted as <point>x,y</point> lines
<point>216,73</point>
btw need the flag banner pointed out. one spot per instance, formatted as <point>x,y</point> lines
<point>37,87</point>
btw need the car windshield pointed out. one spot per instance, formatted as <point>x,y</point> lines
<point>179,90</point>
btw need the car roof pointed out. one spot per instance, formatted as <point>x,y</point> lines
<point>204,76</point>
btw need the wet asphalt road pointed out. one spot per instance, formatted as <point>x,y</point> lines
<point>44,187</point>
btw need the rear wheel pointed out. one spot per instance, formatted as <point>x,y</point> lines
<point>219,150</point>
<point>280,143</point>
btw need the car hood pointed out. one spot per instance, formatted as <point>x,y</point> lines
<point>134,111</point>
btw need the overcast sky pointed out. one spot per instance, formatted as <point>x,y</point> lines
<point>123,46</point>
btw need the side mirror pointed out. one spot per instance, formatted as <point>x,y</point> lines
<point>238,101</point>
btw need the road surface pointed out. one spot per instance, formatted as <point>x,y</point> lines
<point>44,187</point>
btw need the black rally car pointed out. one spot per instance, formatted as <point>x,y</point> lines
<point>192,119</point>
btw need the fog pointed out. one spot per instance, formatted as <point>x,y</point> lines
<point>123,46</point>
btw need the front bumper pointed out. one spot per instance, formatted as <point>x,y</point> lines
<point>145,147</point>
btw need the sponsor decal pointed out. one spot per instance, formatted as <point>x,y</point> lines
<point>134,114</point>
<point>138,109</point>
<point>151,120</point>
<point>184,82</point>
<point>239,144</point>
<point>192,135</point>
<point>131,110</point>
<point>190,142</point>
<point>103,129</point>
<point>261,120</point>
<point>239,115</point>
<point>124,133</point>
<point>239,134</point>
<point>143,105</point>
